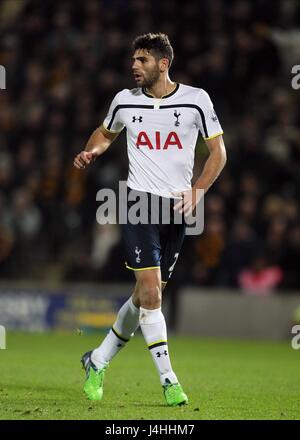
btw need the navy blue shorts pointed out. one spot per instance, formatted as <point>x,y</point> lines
<point>153,245</point>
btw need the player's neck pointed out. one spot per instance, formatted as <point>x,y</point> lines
<point>162,88</point>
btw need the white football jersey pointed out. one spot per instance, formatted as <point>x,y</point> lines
<point>161,135</point>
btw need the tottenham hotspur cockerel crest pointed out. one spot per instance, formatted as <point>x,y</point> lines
<point>138,251</point>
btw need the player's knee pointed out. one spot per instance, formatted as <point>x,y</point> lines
<point>149,295</point>
<point>135,297</point>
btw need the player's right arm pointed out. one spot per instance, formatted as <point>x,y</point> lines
<point>102,137</point>
<point>97,144</point>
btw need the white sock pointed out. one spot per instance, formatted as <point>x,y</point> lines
<point>123,329</point>
<point>153,326</point>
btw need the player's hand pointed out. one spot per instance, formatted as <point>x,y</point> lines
<point>83,159</point>
<point>189,201</point>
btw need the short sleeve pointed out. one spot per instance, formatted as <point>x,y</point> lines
<point>206,120</point>
<point>112,122</point>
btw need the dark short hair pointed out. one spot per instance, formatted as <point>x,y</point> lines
<point>157,44</point>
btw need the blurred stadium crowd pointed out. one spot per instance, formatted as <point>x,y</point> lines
<point>64,62</point>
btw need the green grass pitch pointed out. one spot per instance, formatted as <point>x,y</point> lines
<point>41,378</point>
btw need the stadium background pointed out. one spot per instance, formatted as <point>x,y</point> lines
<point>64,62</point>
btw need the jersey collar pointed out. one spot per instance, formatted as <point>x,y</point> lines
<point>164,96</point>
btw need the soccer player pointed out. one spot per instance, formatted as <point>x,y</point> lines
<point>162,119</point>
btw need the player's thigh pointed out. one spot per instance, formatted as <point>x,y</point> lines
<point>142,246</point>
<point>171,249</point>
<point>142,278</point>
<point>149,287</point>
<point>150,277</point>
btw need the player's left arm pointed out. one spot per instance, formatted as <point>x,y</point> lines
<point>214,164</point>
<point>212,169</point>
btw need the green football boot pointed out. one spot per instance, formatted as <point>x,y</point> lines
<point>174,394</point>
<point>93,386</point>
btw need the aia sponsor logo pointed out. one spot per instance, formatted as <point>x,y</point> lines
<point>172,139</point>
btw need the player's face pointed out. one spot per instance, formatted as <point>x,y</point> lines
<point>145,68</point>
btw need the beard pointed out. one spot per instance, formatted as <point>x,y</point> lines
<point>151,78</point>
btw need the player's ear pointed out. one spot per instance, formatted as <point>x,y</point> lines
<point>163,64</point>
